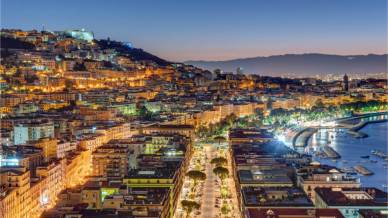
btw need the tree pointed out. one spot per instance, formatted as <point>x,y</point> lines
<point>196,176</point>
<point>145,113</point>
<point>219,139</point>
<point>219,161</point>
<point>221,172</point>
<point>225,209</point>
<point>79,67</point>
<point>189,206</point>
<point>319,104</point>
<point>202,131</point>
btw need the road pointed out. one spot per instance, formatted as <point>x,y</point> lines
<point>210,187</point>
<point>208,191</point>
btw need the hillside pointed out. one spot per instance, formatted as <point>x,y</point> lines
<point>136,54</point>
<point>10,43</point>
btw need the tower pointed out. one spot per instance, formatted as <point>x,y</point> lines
<point>240,70</point>
<point>345,83</point>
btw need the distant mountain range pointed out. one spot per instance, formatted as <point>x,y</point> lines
<point>301,64</point>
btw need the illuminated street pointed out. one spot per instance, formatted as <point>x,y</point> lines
<point>211,189</point>
<point>208,192</point>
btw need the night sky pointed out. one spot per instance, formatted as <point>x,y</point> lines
<point>215,29</point>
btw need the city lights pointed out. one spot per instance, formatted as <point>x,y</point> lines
<point>217,110</point>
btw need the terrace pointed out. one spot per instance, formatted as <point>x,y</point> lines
<point>275,197</point>
<point>353,197</point>
<point>276,177</point>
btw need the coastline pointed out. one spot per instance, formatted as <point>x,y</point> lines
<point>354,129</point>
<point>354,151</point>
<point>301,139</point>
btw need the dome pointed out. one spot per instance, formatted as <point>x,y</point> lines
<point>315,163</point>
<point>333,171</point>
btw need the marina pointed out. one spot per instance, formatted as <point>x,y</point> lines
<point>367,152</point>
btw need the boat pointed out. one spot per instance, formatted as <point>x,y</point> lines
<point>380,154</point>
<point>365,156</point>
<point>349,170</point>
<point>363,170</point>
<point>329,152</point>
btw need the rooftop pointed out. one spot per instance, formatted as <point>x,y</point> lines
<point>292,213</point>
<point>275,197</point>
<point>357,197</point>
<point>264,176</point>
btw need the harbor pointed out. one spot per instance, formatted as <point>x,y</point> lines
<point>352,125</point>
<point>363,157</point>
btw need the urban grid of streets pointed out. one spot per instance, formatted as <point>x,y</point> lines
<point>207,194</point>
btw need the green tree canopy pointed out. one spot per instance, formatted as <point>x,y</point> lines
<point>189,206</point>
<point>219,161</point>
<point>225,209</point>
<point>220,139</point>
<point>196,176</point>
<point>221,172</point>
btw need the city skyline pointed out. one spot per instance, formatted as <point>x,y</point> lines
<point>202,30</point>
<point>101,116</point>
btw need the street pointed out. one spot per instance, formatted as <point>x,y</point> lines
<point>209,198</point>
<point>208,192</point>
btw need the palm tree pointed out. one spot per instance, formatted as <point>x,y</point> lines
<point>219,161</point>
<point>189,206</point>
<point>196,176</point>
<point>221,172</point>
<point>219,139</point>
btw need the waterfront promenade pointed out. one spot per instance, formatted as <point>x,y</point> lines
<point>352,124</point>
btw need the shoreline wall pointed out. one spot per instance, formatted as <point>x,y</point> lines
<point>352,129</point>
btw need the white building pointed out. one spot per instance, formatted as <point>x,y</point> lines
<point>25,132</point>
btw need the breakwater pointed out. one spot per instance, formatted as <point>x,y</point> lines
<point>352,124</point>
<point>301,139</point>
<point>353,129</point>
<point>354,151</point>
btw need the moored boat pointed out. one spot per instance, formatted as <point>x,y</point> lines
<point>363,170</point>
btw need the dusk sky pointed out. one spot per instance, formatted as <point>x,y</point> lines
<point>215,30</point>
